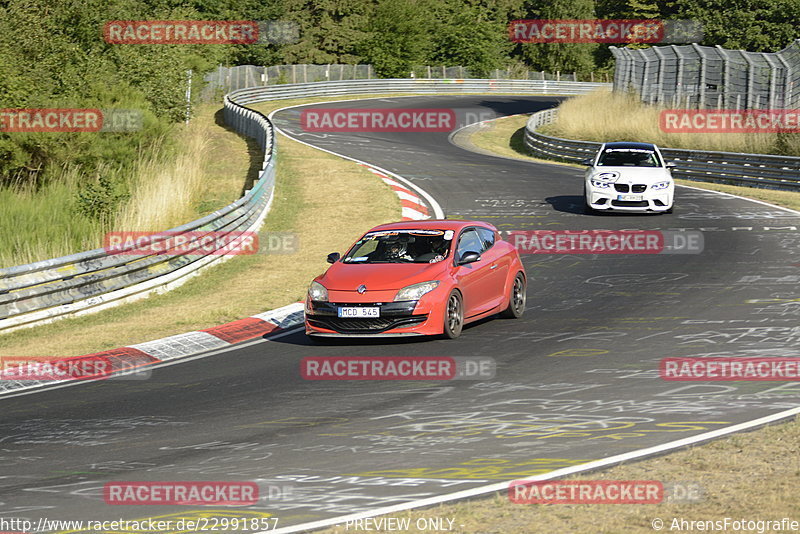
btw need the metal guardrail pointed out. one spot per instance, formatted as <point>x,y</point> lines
<point>43,291</point>
<point>761,170</point>
<point>417,86</point>
<point>90,281</point>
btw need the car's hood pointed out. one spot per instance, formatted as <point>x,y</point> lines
<point>379,276</point>
<point>634,175</point>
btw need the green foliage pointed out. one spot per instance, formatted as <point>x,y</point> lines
<point>468,36</point>
<point>99,200</point>
<point>400,36</point>
<point>52,55</point>
<point>565,57</point>
<point>753,25</point>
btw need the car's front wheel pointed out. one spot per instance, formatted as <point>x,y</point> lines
<point>517,298</point>
<point>453,315</point>
<point>587,208</point>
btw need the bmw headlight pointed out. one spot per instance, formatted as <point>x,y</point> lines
<point>415,291</point>
<point>318,292</point>
<point>660,185</point>
<point>600,184</point>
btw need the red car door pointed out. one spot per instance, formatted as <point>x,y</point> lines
<point>499,265</point>
<point>475,279</point>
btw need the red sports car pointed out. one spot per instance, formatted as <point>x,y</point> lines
<point>417,278</point>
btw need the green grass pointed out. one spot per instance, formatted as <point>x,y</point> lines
<point>42,224</point>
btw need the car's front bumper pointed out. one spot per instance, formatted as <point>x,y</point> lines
<point>609,199</point>
<point>396,319</point>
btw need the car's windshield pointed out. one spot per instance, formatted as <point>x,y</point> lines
<point>628,157</point>
<point>401,246</point>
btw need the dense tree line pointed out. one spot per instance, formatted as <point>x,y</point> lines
<point>52,53</point>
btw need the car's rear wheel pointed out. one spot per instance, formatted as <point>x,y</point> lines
<point>453,315</point>
<point>517,298</point>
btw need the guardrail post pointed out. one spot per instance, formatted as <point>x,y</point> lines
<point>750,79</point>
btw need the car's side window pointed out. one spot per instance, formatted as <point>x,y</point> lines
<point>469,242</point>
<point>487,236</point>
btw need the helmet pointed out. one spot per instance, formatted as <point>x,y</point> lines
<point>395,249</point>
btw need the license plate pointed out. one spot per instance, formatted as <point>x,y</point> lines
<point>359,312</point>
<point>630,197</point>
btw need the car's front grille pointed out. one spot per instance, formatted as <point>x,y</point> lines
<point>638,188</point>
<point>630,203</point>
<point>364,325</point>
<point>621,188</point>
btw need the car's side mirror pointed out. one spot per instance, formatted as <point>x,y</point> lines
<point>469,257</point>
<point>587,162</point>
<point>333,257</point>
<point>670,164</point>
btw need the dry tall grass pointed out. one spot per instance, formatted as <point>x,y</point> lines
<point>605,116</point>
<point>165,194</point>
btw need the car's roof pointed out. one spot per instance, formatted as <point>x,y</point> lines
<point>432,224</point>
<point>630,144</point>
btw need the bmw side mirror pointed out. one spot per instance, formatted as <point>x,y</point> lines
<point>669,164</point>
<point>333,257</point>
<point>469,257</point>
<point>587,162</point>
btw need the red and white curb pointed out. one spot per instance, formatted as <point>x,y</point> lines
<point>414,208</point>
<point>141,355</point>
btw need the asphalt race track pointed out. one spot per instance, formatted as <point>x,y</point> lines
<point>576,380</point>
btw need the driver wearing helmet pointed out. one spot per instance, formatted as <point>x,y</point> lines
<point>397,250</point>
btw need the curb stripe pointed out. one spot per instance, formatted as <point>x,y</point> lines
<point>414,206</point>
<point>242,330</point>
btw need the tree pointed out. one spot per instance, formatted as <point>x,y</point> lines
<point>753,25</point>
<point>400,36</point>
<point>468,36</point>
<point>559,56</point>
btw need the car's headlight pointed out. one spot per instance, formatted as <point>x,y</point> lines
<point>660,185</point>
<point>318,292</point>
<point>601,184</point>
<point>415,291</point>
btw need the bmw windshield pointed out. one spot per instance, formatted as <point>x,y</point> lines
<point>628,157</point>
<point>401,246</point>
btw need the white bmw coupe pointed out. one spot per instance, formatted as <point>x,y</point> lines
<point>629,177</point>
